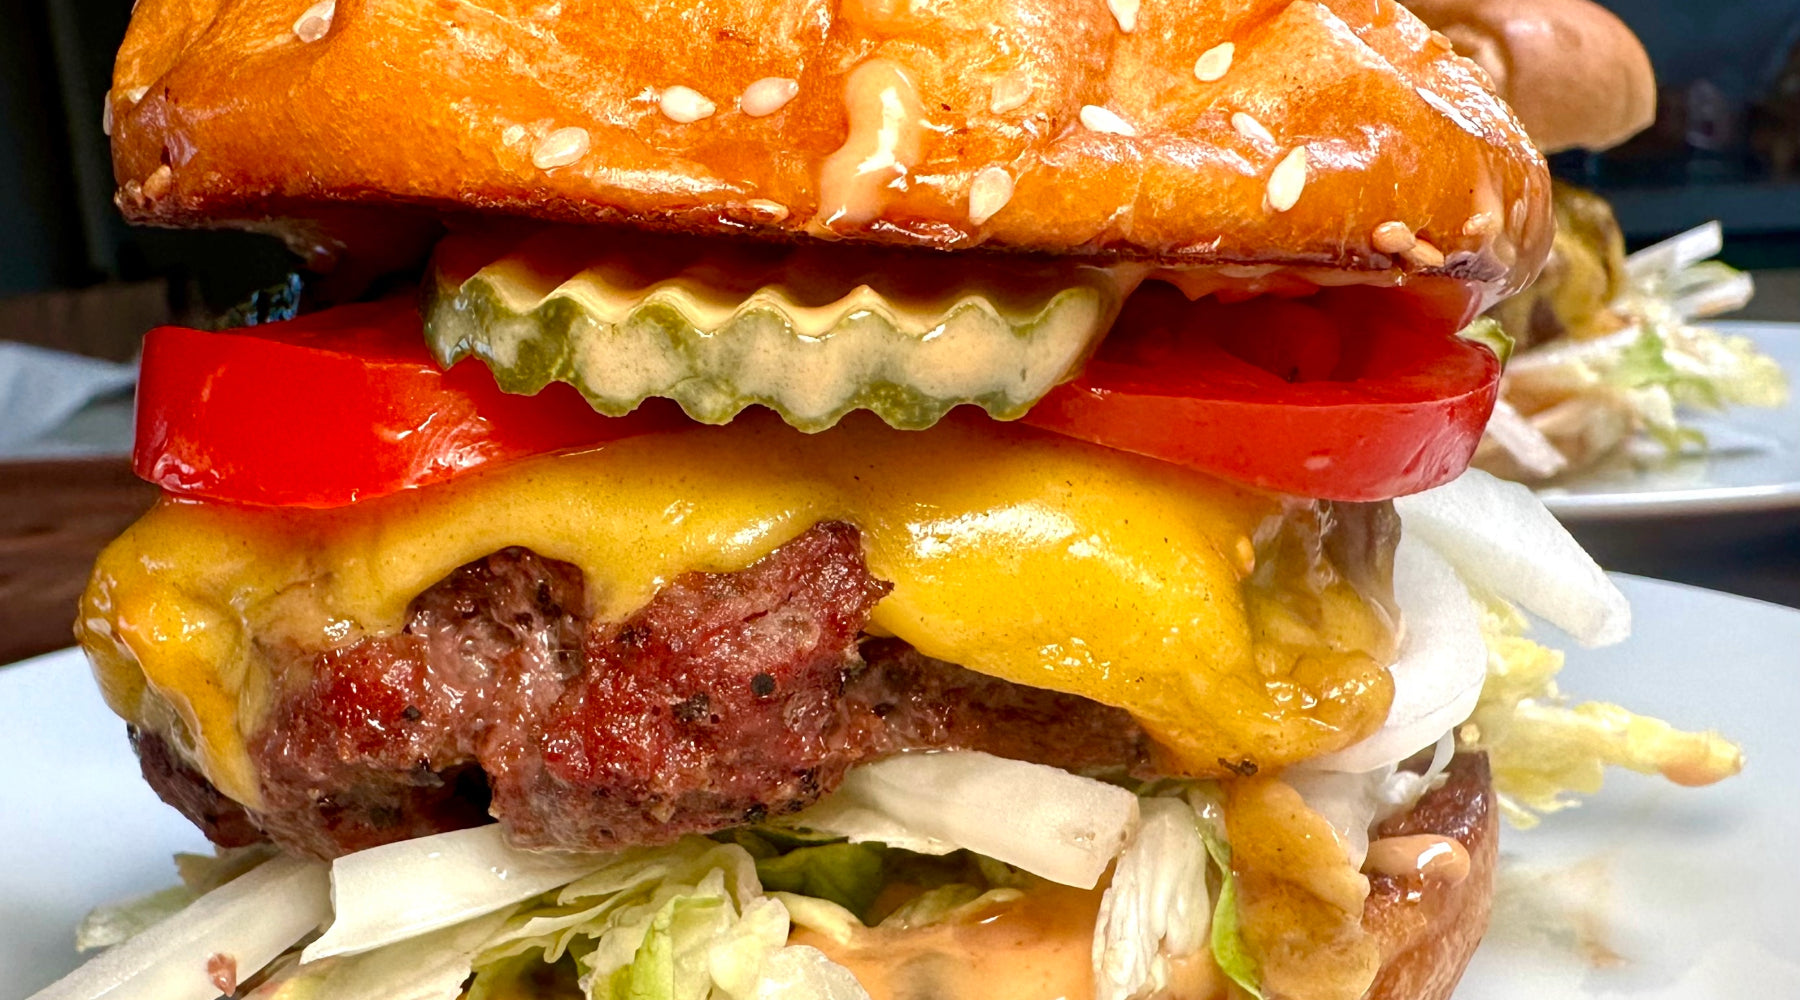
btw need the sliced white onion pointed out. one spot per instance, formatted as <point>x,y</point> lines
<point>802,972</point>
<point>1499,537</point>
<point>1729,293</point>
<point>1677,252</point>
<point>1441,666</point>
<point>400,891</point>
<point>1402,790</point>
<point>1353,802</point>
<point>1054,824</point>
<point>1348,801</point>
<point>1157,907</point>
<point>431,967</point>
<point>1525,443</point>
<point>226,936</point>
<point>1572,351</point>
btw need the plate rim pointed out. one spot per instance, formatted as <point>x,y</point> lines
<point>1620,505</point>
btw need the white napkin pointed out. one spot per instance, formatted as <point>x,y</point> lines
<point>41,388</point>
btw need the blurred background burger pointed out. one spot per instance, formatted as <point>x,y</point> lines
<point>1610,347</point>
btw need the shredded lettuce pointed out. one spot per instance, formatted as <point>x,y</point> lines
<point>685,922</point>
<point>254,918</point>
<point>399,891</point>
<point>1488,332</point>
<point>1229,949</point>
<point>1157,907</point>
<point>655,924</point>
<point>957,902</point>
<point>1644,377</point>
<point>850,875</point>
<point>432,966</point>
<point>1056,825</point>
<point>116,923</point>
<point>820,916</point>
<point>1543,750</point>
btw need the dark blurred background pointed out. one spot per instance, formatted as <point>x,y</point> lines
<point>1726,145</point>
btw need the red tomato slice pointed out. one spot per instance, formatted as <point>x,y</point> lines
<point>339,406</point>
<point>1350,394</point>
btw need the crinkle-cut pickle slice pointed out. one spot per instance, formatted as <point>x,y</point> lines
<point>810,332</point>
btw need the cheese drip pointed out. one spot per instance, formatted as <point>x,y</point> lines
<point>1015,553</point>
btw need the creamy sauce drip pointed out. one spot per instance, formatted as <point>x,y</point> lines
<point>1300,899</point>
<point>887,135</point>
<point>1421,855</point>
<point>1040,947</point>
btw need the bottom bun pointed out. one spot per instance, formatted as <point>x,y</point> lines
<point>1426,927</point>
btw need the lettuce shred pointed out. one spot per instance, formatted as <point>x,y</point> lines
<point>116,923</point>
<point>1230,950</point>
<point>1543,749</point>
<point>1661,364</point>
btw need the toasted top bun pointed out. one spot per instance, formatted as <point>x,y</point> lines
<point>1186,132</point>
<point>1574,73</point>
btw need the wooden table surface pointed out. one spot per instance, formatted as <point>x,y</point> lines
<point>55,516</point>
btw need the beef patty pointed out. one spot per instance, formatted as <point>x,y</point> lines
<point>728,698</point>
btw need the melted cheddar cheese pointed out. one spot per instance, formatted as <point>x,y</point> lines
<point>1015,553</point>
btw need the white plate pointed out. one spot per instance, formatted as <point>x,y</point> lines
<point>1648,891</point>
<point>1753,464</point>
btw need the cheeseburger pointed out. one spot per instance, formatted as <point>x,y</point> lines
<point>1609,349</point>
<point>864,500</point>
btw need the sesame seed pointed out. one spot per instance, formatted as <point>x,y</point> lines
<point>560,148</point>
<point>1515,216</point>
<point>159,182</point>
<point>1481,224</point>
<point>1287,180</point>
<point>1214,62</point>
<point>1010,91</point>
<point>1125,12</point>
<point>511,135</point>
<point>768,95</point>
<point>773,211</point>
<point>1250,128</point>
<point>316,21</point>
<point>685,104</point>
<point>106,114</point>
<point>989,192</point>
<point>1394,237</point>
<point>136,94</point>
<point>1423,254</point>
<point>1099,119</point>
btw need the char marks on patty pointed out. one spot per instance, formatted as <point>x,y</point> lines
<point>728,698</point>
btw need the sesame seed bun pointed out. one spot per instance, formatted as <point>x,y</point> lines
<point>1574,73</point>
<point>1039,125</point>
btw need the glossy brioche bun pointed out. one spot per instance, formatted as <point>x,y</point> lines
<point>1429,929</point>
<point>1574,73</point>
<point>223,114</point>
